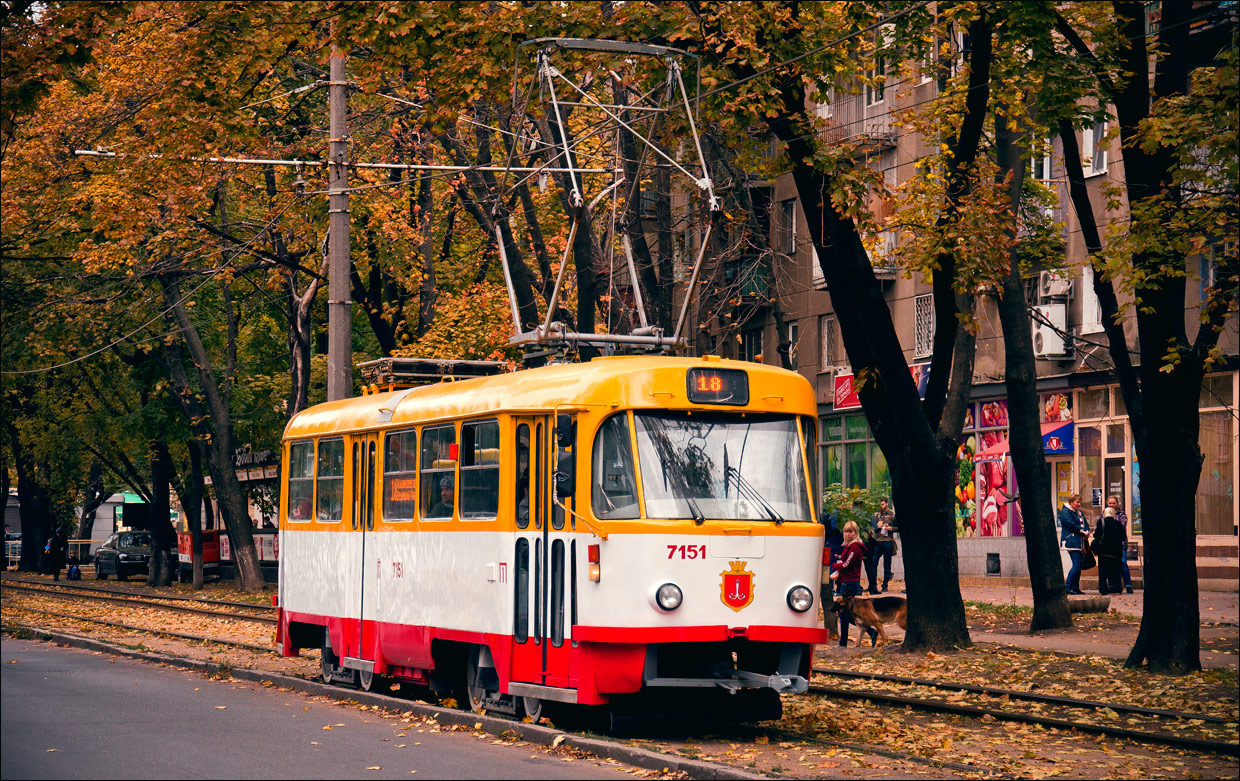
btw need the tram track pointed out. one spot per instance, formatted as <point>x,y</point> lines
<point>157,602</point>
<point>1037,700</point>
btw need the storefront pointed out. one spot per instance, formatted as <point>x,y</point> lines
<point>1088,445</point>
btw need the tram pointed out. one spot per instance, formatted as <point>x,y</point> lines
<point>632,532</point>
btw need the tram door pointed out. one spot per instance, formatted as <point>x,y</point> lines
<point>365,463</point>
<point>542,563</point>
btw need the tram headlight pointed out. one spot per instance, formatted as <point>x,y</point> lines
<point>800,599</point>
<point>669,596</point>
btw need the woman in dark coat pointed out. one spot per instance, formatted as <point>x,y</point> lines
<point>56,550</point>
<point>1110,546</point>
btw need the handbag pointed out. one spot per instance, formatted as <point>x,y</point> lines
<point>1087,558</point>
<point>895,547</point>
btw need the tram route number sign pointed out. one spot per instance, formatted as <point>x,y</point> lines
<point>717,386</point>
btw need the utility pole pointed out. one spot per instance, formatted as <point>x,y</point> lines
<point>339,302</point>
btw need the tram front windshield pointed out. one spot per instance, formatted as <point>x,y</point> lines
<point>721,466</point>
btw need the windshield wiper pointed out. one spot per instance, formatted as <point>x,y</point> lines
<point>698,517</point>
<point>746,489</point>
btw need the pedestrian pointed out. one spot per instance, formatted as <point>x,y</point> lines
<point>868,538</point>
<point>1073,530</point>
<point>884,536</point>
<point>1122,517</point>
<point>847,574</point>
<point>833,544</point>
<point>1109,545</point>
<point>55,550</point>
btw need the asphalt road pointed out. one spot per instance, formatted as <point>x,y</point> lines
<point>70,713</point>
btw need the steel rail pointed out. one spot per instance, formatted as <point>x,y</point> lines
<point>165,632</point>
<point>64,585</point>
<point>121,600</point>
<point>1200,744</point>
<point>1023,695</point>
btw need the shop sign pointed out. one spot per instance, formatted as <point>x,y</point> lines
<point>846,393</point>
<point>1057,438</point>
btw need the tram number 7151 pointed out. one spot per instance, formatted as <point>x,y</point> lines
<point>686,551</point>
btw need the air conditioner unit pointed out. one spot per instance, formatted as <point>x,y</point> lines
<point>1051,285</point>
<point>1048,340</point>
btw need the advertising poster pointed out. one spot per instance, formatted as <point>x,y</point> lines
<point>994,495</point>
<point>1057,407</point>
<point>966,489</point>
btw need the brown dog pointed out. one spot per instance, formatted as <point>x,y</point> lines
<point>874,612</point>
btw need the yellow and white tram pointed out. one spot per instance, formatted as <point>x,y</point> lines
<point>586,533</point>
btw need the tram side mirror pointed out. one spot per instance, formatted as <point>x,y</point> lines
<point>565,430</point>
<point>565,476</point>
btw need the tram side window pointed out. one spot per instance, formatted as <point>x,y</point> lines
<point>300,481</point>
<point>400,476</point>
<point>330,480</point>
<point>523,476</point>
<point>438,471</point>
<point>480,469</point>
<point>614,488</point>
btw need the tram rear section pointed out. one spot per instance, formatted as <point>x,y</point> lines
<point>634,533</point>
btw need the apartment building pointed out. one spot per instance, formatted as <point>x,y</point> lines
<point>1086,435</point>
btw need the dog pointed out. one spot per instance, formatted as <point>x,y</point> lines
<point>875,612</point>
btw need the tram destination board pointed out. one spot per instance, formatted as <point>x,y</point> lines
<point>718,386</point>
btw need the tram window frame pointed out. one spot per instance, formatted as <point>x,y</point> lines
<point>333,480</point>
<point>406,461</point>
<point>521,490</point>
<point>521,585</point>
<point>557,593</point>
<point>479,480</point>
<point>300,480</point>
<point>623,449</point>
<point>435,451</point>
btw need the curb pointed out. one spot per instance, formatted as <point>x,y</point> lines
<point>533,733</point>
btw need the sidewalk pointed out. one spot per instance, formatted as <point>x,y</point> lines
<point>1217,607</point>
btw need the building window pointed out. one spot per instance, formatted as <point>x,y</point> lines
<point>827,332</point>
<point>788,228</point>
<point>875,86</point>
<point>923,326</point>
<point>1093,149</point>
<point>1041,163</point>
<point>793,341</point>
<point>826,109</point>
<point>751,345</point>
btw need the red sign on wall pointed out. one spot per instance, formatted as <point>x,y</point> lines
<point>846,392</point>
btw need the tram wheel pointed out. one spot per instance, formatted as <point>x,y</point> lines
<point>366,680</point>
<point>533,708</point>
<point>475,691</point>
<point>327,658</point>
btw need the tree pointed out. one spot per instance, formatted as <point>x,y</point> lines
<point>1177,124</point>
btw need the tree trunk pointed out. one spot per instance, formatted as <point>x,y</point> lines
<point>1046,575</point>
<point>214,424</point>
<point>163,536</point>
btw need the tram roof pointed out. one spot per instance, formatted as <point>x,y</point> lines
<point>620,382</point>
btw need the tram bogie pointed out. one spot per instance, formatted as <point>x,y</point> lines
<point>632,533</point>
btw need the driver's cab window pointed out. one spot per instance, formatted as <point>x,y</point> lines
<point>614,487</point>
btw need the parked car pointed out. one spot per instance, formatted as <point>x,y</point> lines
<point>123,554</point>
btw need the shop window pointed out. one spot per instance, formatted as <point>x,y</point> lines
<point>1089,446</point>
<point>857,461</point>
<point>1115,439</point>
<point>855,427</point>
<point>1117,402</point>
<point>1216,488</point>
<point>1094,404</point>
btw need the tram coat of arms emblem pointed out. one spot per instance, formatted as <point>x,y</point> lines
<point>737,587</point>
